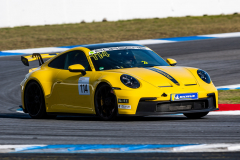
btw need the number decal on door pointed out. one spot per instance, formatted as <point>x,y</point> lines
<point>83,86</point>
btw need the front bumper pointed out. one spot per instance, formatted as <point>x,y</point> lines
<point>146,107</point>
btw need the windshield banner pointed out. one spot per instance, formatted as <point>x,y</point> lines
<point>117,48</point>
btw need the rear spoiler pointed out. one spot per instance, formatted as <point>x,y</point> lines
<point>36,56</point>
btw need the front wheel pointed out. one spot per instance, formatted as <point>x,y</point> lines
<point>195,115</point>
<point>34,101</point>
<point>105,102</point>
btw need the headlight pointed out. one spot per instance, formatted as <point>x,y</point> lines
<point>204,76</point>
<point>129,81</point>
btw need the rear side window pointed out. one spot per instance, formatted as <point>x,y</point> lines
<point>70,58</point>
<point>76,57</point>
<point>58,62</point>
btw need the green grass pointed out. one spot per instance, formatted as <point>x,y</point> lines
<point>229,96</point>
<point>99,32</point>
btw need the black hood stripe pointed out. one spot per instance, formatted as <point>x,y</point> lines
<point>164,74</point>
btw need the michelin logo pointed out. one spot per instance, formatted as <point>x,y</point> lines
<point>185,96</point>
<point>188,96</point>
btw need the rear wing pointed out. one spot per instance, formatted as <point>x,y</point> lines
<point>36,56</point>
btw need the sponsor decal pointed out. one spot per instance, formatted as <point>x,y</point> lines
<point>101,68</point>
<point>184,96</point>
<point>91,52</point>
<point>164,74</point>
<point>83,86</point>
<point>116,48</point>
<point>124,106</point>
<point>100,55</point>
<point>144,62</point>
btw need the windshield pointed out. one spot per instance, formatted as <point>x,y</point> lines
<point>125,57</point>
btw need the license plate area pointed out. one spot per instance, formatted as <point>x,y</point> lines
<point>181,106</point>
<point>184,96</point>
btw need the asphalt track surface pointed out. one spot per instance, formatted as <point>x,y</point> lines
<point>120,156</point>
<point>219,57</point>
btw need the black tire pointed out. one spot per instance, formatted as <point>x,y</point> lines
<point>195,115</point>
<point>34,101</point>
<point>105,102</point>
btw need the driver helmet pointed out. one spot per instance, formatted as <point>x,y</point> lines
<point>128,57</point>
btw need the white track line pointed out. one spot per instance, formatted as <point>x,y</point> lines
<point>223,35</point>
<point>229,86</point>
<point>208,148</point>
<point>38,50</point>
<point>142,42</point>
<point>224,113</point>
<point>217,147</point>
<point>147,41</point>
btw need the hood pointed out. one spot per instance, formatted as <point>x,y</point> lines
<point>162,76</point>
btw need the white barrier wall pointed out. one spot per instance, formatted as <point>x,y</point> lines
<point>45,12</point>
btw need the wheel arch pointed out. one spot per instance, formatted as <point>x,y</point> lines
<point>95,92</point>
<point>103,81</point>
<point>27,83</point>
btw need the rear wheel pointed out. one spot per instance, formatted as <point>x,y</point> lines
<point>105,102</point>
<point>34,101</point>
<point>195,115</point>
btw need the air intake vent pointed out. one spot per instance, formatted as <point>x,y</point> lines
<point>190,84</point>
<point>164,86</point>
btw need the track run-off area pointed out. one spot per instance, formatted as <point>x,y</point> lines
<point>220,57</point>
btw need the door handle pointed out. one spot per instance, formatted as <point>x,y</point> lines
<point>59,81</point>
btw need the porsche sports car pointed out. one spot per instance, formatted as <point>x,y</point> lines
<point>114,79</point>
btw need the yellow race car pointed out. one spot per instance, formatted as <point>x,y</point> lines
<point>114,79</point>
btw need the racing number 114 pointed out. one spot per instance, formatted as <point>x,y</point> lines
<point>84,88</point>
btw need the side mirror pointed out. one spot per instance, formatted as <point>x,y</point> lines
<point>171,62</point>
<point>77,68</point>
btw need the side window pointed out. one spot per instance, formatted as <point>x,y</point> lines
<point>76,57</point>
<point>58,62</point>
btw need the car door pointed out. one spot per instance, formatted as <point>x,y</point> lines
<point>73,88</point>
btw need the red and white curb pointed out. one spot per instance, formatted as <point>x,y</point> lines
<point>227,109</point>
<point>224,113</point>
